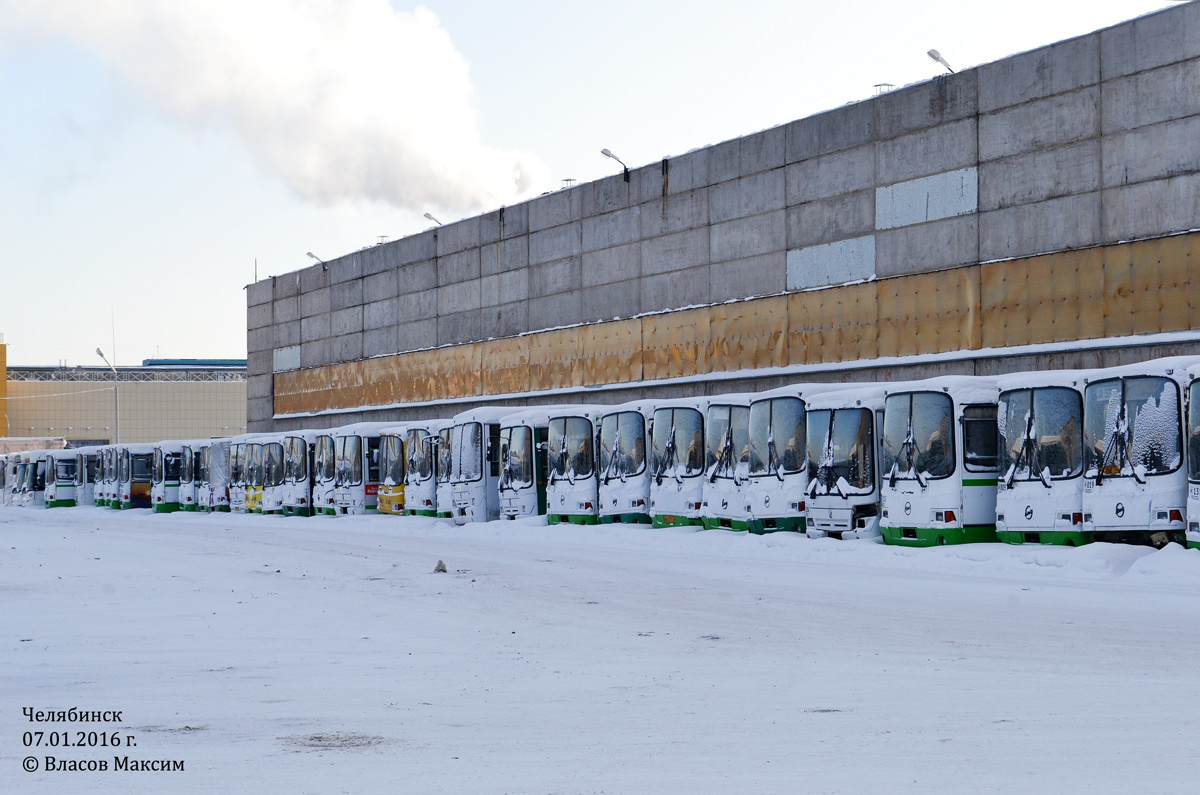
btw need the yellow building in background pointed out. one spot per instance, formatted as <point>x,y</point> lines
<point>162,399</point>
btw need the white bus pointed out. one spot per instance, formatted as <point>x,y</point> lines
<point>726,462</point>
<point>422,446</point>
<point>939,461</point>
<point>357,472</point>
<point>573,485</point>
<point>524,462</point>
<point>300,471</point>
<point>475,474</point>
<point>61,467</point>
<point>1039,494</point>
<point>1135,486</point>
<point>842,462</point>
<point>677,462</point>
<point>624,490</point>
<point>166,477</point>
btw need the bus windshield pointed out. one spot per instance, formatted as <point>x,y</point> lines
<point>727,447</point>
<point>1039,431</point>
<point>622,444</point>
<point>570,446</point>
<point>420,458</point>
<point>677,445</point>
<point>516,457</point>
<point>1131,427</point>
<point>468,452</point>
<point>326,458</point>
<point>273,464</point>
<point>918,436</point>
<point>777,436</point>
<point>392,460</point>
<point>840,451</point>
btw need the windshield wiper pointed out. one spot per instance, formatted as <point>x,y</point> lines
<point>1116,448</point>
<point>668,459</point>
<point>907,449</point>
<point>773,462</point>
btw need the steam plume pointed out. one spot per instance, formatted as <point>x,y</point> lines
<point>342,99</point>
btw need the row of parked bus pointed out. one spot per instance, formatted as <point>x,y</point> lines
<point>1061,457</point>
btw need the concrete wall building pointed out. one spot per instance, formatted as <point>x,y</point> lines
<point>1039,211</point>
<point>183,399</point>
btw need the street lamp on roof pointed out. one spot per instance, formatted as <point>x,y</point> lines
<point>625,172</point>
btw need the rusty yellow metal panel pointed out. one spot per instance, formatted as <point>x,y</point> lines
<point>458,370</point>
<point>835,325</point>
<point>555,359</point>
<point>1160,284</point>
<point>505,366</point>
<point>1118,291</point>
<point>612,352</point>
<point>929,312</point>
<point>1003,291</point>
<point>417,375</point>
<point>676,344</point>
<point>748,334</point>
<point>346,385</point>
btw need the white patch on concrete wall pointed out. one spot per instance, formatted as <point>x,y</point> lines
<point>286,359</point>
<point>831,263</point>
<point>916,201</point>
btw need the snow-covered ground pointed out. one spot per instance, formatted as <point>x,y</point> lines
<point>325,655</point>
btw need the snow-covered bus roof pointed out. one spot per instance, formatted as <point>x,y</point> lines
<point>362,429</point>
<point>733,399</point>
<point>643,407</point>
<point>533,416</point>
<point>868,396</point>
<point>589,411</point>
<point>137,448</point>
<point>963,389</point>
<point>1176,367</point>
<point>699,403</point>
<point>484,414</point>
<point>799,390</point>
<point>1044,378</point>
<point>431,426</point>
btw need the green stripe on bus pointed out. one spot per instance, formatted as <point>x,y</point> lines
<point>980,482</point>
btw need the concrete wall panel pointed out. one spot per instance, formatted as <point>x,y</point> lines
<point>380,285</point>
<point>1152,208</point>
<point>1067,222</point>
<point>346,321</point>
<point>842,128</point>
<point>555,209</point>
<point>260,293</point>
<point>460,327</point>
<point>946,148</point>
<point>765,274</point>
<point>287,334</point>
<point>378,314</point>
<point>1154,40</point>
<point>814,222</point>
<point>675,252</point>
<point>416,334</point>
<point>315,302</point>
<point>1038,125</point>
<point>260,316</point>
<point>821,177</point>
<point>380,341</point>
<point>1151,97</point>
<point>612,265</point>
<point>673,290</point>
<point>762,151</point>
<point>611,229</point>
<point>555,243</point>
<point>944,99</point>
<point>314,327</point>
<point>417,305</point>
<point>348,348</point>
<point>1038,176</point>
<point>674,213</point>
<point>460,267</point>
<point>458,236</point>
<point>746,237</point>
<point>927,247</point>
<point>560,276</point>
<point>753,195</point>
<point>1154,152</point>
<point>458,297</point>
<point>345,294</point>
<point>1056,69</point>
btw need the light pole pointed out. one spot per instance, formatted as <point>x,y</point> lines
<point>625,172</point>
<point>431,218</point>
<point>116,401</point>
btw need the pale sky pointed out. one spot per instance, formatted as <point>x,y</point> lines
<point>152,150</point>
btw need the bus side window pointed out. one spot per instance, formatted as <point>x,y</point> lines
<point>373,459</point>
<point>980,438</point>
<point>494,448</point>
